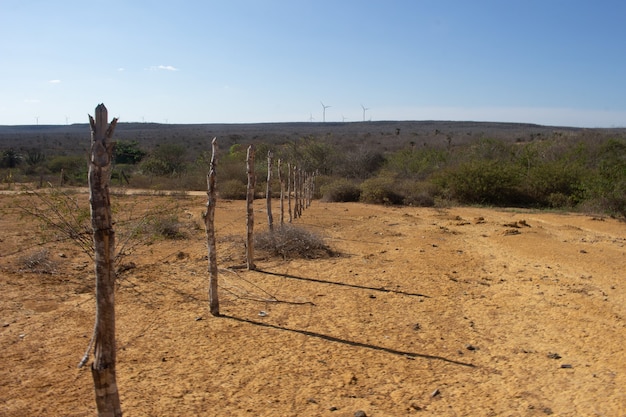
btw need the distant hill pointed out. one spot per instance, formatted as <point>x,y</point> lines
<point>382,135</point>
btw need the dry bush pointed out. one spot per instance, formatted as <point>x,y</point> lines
<point>291,242</point>
<point>37,262</point>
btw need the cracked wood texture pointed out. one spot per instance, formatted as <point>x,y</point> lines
<point>103,366</point>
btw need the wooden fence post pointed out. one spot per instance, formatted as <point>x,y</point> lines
<point>250,209</point>
<point>296,192</point>
<point>289,191</point>
<point>209,222</point>
<point>103,366</point>
<point>268,191</point>
<point>281,181</point>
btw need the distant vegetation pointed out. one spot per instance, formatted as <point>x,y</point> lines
<point>416,164</point>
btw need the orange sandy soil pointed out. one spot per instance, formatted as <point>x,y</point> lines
<point>442,312</point>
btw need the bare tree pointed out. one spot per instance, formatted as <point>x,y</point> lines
<point>103,366</point>
<point>209,221</point>
<point>250,208</point>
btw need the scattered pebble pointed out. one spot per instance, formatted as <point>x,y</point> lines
<point>262,313</point>
<point>360,413</point>
<point>554,355</point>
<point>435,393</point>
<point>470,347</point>
<point>566,366</point>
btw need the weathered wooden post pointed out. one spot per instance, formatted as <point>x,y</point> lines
<point>289,191</point>
<point>268,192</point>
<point>103,366</point>
<point>281,180</point>
<point>250,209</point>
<point>296,192</point>
<point>209,221</point>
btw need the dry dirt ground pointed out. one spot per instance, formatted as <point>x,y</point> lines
<point>441,312</point>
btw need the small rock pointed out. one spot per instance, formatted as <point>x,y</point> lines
<point>62,255</point>
<point>312,401</point>
<point>417,326</point>
<point>470,347</point>
<point>548,411</point>
<point>262,313</point>
<point>360,413</point>
<point>554,356</point>
<point>435,393</point>
<point>566,366</point>
<point>372,296</point>
<point>416,407</point>
<point>583,251</point>
<point>199,318</point>
<point>333,409</point>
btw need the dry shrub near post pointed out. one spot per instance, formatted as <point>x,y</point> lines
<point>37,262</point>
<point>290,242</point>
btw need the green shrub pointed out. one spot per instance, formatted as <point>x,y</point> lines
<point>555,184</point>
<point>341,190</point>
<point>232,190</point>
<point>483,182</point>
<point>419,193</point>
<point>167,159</point>
<point>74,168</point>
<point>417,163</point>
<point>380,190</point>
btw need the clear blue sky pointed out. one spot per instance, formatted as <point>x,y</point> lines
<point>554,62</point>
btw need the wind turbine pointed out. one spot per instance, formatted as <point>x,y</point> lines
<point>311,118</point>
<point>364,109</point>
<point>324,112</point>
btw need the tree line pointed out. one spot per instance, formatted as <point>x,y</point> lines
<point>561,171</point>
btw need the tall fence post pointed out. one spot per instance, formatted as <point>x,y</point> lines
<point>296,192</point>
<point>268,191</point>
<point>250,209</point>
<point>281,181</point>
<point>103,366</point>
<point>289,192</point>
<point>209,222</point>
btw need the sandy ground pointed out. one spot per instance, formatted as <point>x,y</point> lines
<point>442,312</point>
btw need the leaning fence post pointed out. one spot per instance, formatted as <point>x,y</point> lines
<point>250,209</point>
<point>209,222</point>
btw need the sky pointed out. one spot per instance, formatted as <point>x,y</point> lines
<point>550,62</point>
